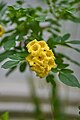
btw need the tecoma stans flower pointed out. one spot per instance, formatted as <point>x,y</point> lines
<point>40,58</point>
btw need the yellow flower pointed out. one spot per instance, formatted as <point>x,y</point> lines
<point>31,43</point>
<point>49,54</point>
<point>43,45</point>
<point>29,58</point>
<point>34,49</point>
<point>37,68</point>
<point>41,58</point>
<point>1,30</point>
<point>51,64</point>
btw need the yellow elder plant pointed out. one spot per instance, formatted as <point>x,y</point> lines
<point>24,38</point>
<point>24,41</point>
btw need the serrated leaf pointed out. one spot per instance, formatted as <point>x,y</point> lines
<point>69,79</point>
<point>73,18</point>
<point>50,78</point>
<point>10,71</point>
<point>62,66</point>
<point>9,44</point>
<point>74,42</point>
<point>66,71</point>
<point>5,39</point>
<point>2,5</point>
<point>58,39</point>
<point>16,57</point>
<point>22,54</point>
<point>9,64</point>
<point>56,29</point>
<point>2,13</point>
<point>5,55</point>
<point>76,49</point>
<point>65,37</point>
<point>68,58</point>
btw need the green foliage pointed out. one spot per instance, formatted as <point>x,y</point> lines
<point>67,71</point>
<point>10,71</point>
<point>23,66</point>
<point>4,116</point>
<point>41,18</point>
<point>6,54</point>
<point>65,37</point>
<point>10,64</point>
<point>69,79</point>
<point>74,42</point>
<point>2,10</point>
<point>19,56</point>
<point>25,23</point>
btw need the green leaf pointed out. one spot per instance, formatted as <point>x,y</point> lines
<point>65,37</point>
<point>66,71</point>
<point>69,79</point>
<point>62,66</point>
<point>51,43</point>
<point>2,11</point>
<point>10,8</point>
<point>5,55</point>
<point>58,39</point>
<point>41,18</point>
<point>22,54</point>
<point>74,42</point>
<point>5,39</point>
<point>56,29</point>
<point>54,70</point>
<point>9,44</point>
<point>75,19</point>
<point>20,36</point>
<point>20,2</point>
<point>5,116</point>
<point>50,78</point>
<point>2,5</point>
<point>76,49</point>
<point>16,57</point>
<point>22,28</point>
<point>35,24</point>
<point>74,2</point>
<point>10,64</point>
<point>68,58</point>
<point>22,67</point>
<point>54,22</point>
<point>59,58</point>
<point>10,71</point>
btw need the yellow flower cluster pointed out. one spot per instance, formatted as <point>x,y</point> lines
<point>41,58</point>
<point>1,31</point>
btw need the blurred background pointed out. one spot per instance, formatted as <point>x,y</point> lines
<point>16,94</point>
